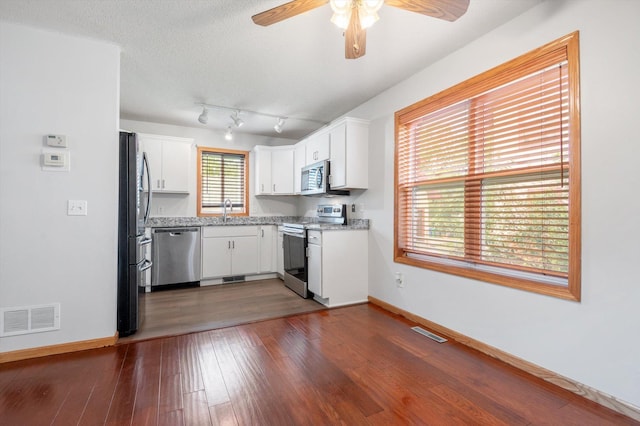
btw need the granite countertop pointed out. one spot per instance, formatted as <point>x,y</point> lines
<point>164,222</point>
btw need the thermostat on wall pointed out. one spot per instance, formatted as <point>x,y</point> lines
<point>55,160</point>
<point>59,141</point>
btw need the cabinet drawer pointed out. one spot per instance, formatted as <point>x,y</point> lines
<point>229,231</point>
<point>314,237</point>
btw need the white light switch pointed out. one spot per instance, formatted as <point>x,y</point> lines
<point>77,208</point>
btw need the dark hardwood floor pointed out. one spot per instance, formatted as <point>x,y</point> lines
<point>354,365</point>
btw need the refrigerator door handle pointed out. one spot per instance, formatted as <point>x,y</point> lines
<point>145,265</point>
<point>145,241</point>
<point>145,161</point>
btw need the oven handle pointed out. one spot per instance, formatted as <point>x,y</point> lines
<point>294,234</point>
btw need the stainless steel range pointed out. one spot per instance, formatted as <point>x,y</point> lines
<point>295,244</point>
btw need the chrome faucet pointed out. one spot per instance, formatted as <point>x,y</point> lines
<point>226,203</point>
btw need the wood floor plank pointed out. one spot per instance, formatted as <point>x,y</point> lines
<point>214,386</point>
<point>190,364</point>
<point>97,407</point>
<point>196,409</point>
<point>223,415</point>
<point>145,411</point>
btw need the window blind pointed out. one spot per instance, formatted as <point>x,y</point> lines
<point>484,173</point>
<point>222,177</point>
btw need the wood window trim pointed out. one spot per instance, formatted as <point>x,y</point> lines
<point>567,46</point>
<point>200,212</point>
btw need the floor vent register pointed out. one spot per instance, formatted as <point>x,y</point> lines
<point>429,334</point>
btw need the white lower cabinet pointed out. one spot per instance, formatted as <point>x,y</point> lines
<point>280,252</point>
<point>337,266</point>
<point>268,240</point>
<point>229,251</point>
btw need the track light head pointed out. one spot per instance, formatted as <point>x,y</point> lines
<point>204,117</point>
<point>237,120</point>
<point>279,125</point>
<point>229,135</point>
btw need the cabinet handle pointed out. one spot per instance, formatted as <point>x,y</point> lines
<point>274,187</point>
<point>229,245</point>
<point>162,183</point>
<point>262,187</point>
<point>262,233</point>
<point>233,245</point>
<point>158,185</point>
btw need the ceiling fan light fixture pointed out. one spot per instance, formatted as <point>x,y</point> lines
<point>279,125</point>
<point>341,12</point>
<point>204,117</point>
<point>229,135</point>
<point>368,12</point>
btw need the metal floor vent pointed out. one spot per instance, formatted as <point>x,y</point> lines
<point>29,319</point>
<point>429,334</point>
<point>233,279</point>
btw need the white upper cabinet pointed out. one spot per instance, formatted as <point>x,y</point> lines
<point>318,147</point>
<point>274,170</point>
<point>349,147</point>
<point>169,161</point>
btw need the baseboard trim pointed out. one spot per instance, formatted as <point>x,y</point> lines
<point>57,349</point>
<point>585,391</point>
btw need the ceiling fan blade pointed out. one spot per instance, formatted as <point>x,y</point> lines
<point>287,10</point>
<point>449,10</point>
<point>355,38</point>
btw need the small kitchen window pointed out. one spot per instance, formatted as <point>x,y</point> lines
<point>222,177</point>
<point>488,175</point>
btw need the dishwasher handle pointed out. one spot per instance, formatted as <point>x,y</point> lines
<point>175,231</point>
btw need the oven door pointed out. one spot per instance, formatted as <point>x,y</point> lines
<point>295,260</point>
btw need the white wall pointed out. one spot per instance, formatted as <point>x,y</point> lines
<point>185,205</point>
<point>594,342</point>
<point>50,83</point>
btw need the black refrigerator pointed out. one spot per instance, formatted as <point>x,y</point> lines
<point>134,204</point>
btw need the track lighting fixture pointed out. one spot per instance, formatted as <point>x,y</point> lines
<point>237,120</point>
<point>204,117</point>
<point>279,125</point>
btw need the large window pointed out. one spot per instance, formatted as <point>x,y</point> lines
<point>222,176</point>
<point>488,175</point>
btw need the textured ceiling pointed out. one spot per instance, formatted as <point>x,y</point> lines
<point>177,53</point>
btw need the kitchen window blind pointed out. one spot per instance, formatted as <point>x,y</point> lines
<point>488,175</point>
<point>222,176</point>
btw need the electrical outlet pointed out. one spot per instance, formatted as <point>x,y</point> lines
<point>399,280</point>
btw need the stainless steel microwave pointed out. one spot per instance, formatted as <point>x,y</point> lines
<point>316,179</point>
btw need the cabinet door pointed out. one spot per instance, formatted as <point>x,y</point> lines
<point>280,252</point>
<point>338,177</point>
<point>216,257</point>
<point>245,255</point>
<point>266,237</point>
<point>318,148</point>
<point>263,171</point>
<point>314,274</point>
<point>153,148</point>
<point>282,171</point>
<point>175,166</point>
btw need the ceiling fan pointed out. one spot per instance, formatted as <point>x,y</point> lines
<point>355,16</point>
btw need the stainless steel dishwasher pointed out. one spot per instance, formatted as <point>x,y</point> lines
<point>175,255</point>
